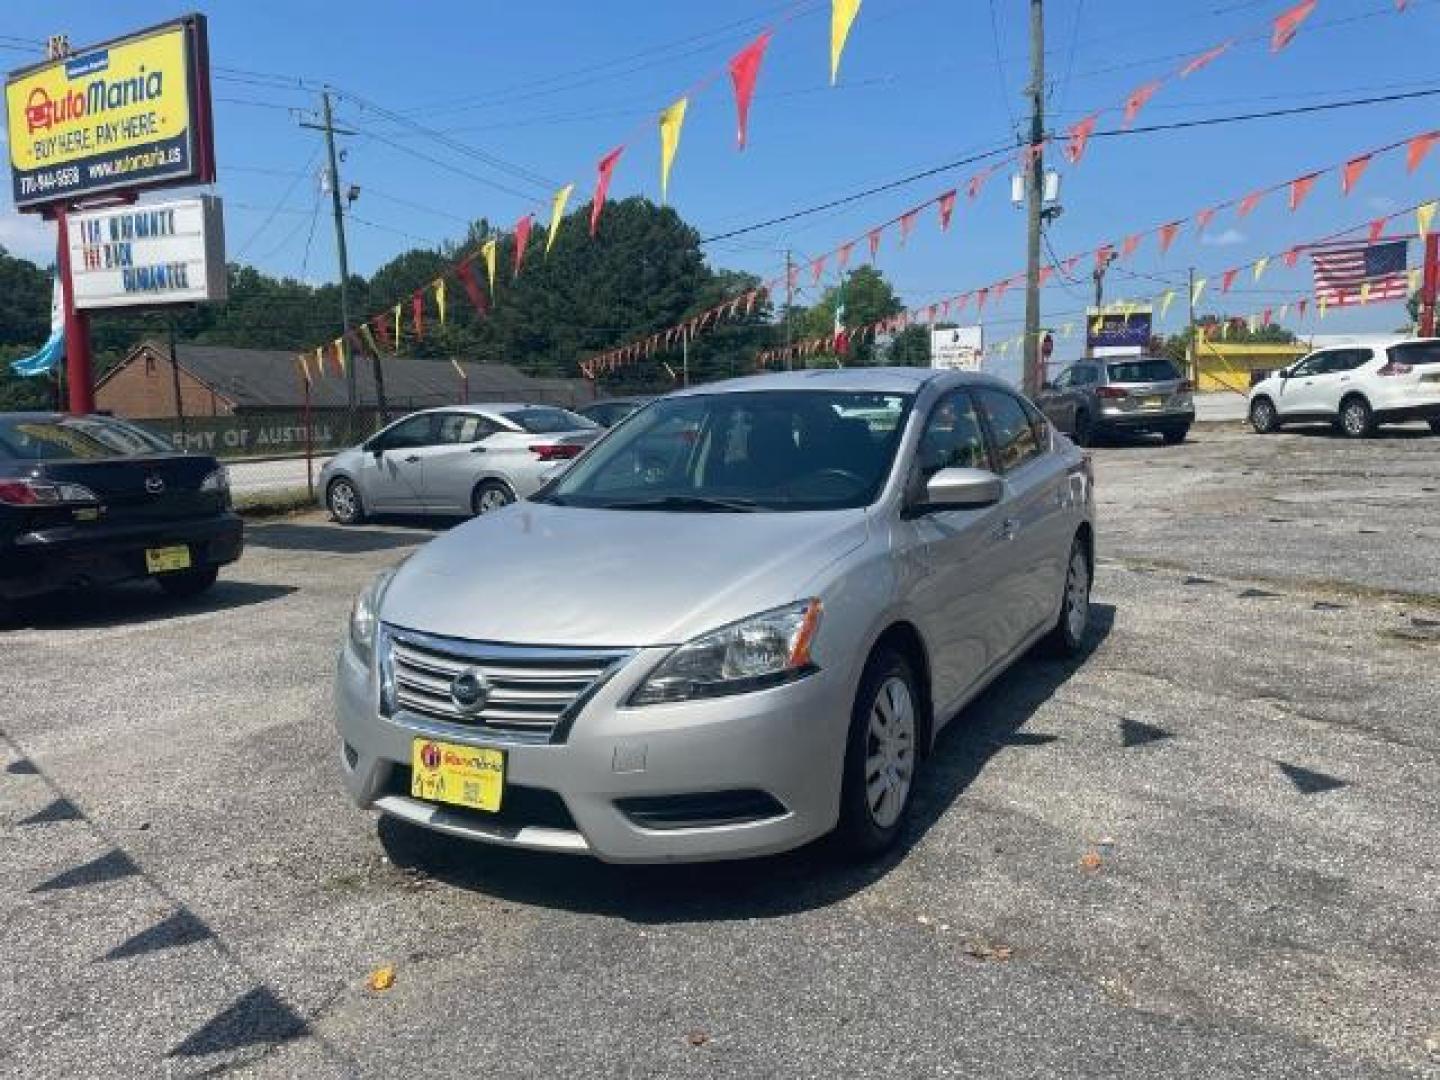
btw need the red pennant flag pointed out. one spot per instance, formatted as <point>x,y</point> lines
<point>1287,24</point>
<point>1292,256</point>
<point>744,69</point>
<point>1079,136</point>
<point>980,296</point>
<point>1228,280</point>
<point>817,269</point>
<point>874,238</point>
<point>1136,101</point>
<point>1354,168</point>
<point>1250,202</point>
<point>1265,316</point>
<point>947,208</point>
<point>1045,272</point>
<point>381,325</point>
<point>961,301</point>
<point>1376,228</point>
<point>944,308</point>
<point>604,171</point>
<point>1069,265</point>
<point>1203,219</point>
<point>907,222</point>
<point>472,288</point>
<point>1417,148</point>
<point>1301,306</point>
<point>1102,255</point>
<point>1167,235</point>
<point>1205,59</point>
<point>522,238</point>
<point>1131,243</point>
<point>978,181</point>
<point>1299,188</point>
<point>1001,289</point>
<point>417,312</point>
<point>843,256</point>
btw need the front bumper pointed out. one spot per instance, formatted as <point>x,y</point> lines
<point>68,556</point>
<point>782,747</point>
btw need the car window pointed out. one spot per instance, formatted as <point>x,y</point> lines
<point>457,428</point>
<point>1351,359</point>
<point>1038,423</point>
<point>1143,371</point>
<point>1311,365</point>
<point>547,420</point>
<point>953,437</point>
<point>1064,379</point>
<point>410,433</point>
<point>1416,352</point>
<point>1015,442</point>
<point>1085,375</point>
<point>58,438</point>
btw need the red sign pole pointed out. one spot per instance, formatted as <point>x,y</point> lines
<point>77,326</point>
<point>1429,285</point>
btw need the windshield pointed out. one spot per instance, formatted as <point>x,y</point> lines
<point>760,450</point>
<point>539,420</point>
<point>1418,352</point>
<point>60,438</point>
<point>1143,371</point>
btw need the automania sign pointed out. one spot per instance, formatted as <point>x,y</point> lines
<point>127,115</point>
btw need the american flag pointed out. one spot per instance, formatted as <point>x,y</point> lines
<point>1342,273</point>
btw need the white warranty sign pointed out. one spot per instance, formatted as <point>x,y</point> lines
<point>149,253</point>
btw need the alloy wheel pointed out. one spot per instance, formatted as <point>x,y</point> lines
<point>344,503</point>
<point>890,752</point>
<point>1077,596</point>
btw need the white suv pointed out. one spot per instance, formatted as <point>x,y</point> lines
<point>1355,387</point>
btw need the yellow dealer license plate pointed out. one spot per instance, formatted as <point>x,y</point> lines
<point>1152,403</point>
<point>461,775</point>
<point>163,560</point>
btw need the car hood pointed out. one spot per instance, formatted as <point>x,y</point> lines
<point>537,574</point>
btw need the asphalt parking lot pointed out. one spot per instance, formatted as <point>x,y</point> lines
<point>1212,848</point>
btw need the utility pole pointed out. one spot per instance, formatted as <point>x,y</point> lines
<point>1099,276</point>
<point>1034,207</point>
<point>789,302</point>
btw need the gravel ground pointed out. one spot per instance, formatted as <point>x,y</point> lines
<point>1210,849</point>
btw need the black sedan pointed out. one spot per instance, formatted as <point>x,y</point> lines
<point>91,500</point>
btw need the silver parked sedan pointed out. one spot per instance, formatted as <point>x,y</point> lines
<point>733,627</point>
<point>469,459</point>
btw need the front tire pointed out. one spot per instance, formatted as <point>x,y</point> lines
<point>489,496</point>
<point>1263,417</point>
<point>881,755</point>
<point>187,583</point>
<point>1357,419</point>
<point>1435,426</point>
<point>1175,436</point>
<point>343,500</point>
<point>1068,636</point>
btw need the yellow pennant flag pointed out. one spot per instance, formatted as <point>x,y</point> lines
<point>1414,278</point>
<point>369,339</point>
<point>1320,306</point>
<point>1364,292</point>
<point>1197,291</point>
<point>842,17</point>
<point>340,357</point>
<point>440,298</point>
<point>319,361</point>
<point>671,121</point>
<point>458,369</point>
<point>398,325</point>
<point>557,211</point>
<point>1224,329</point>
<point>304,366</point>
<point>1424,215</point>
<point>1097,326</point>
<point>487,250</point>
<point>1253,323</point>
<point>1260,265</point>
<point>1166,301</point>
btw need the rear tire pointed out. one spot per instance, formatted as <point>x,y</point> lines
<point>342,498</point>
<point>489,496</point>
<point>881,755</point>
<point>1357,419</point>
<point>1263,417</point>
<point>187,583</point>
<point>1435,426</point>
<point>1175,436</point>
<point>1068,636</point>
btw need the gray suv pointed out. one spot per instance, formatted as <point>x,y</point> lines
<point>1111,395</point>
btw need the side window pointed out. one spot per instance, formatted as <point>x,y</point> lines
<point>1064,379</point>
<point>460,428</point>
<point>1038,423</point>
<point>1313,364</point>
<point>1355,358</point>
<point>1015,440</point>
<point>410,433</point>
<point>1086,376</point>
<point>952,438</point>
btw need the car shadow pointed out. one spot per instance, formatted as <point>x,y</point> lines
<point>337,539</point>
<point>810,877</point>
<point>1389,431</point>
<point>140,601</point>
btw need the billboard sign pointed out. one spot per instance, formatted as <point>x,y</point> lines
<point>959,348</point>
<point>148,253</point>
<point>129,114</point>
<point>1118,331</point>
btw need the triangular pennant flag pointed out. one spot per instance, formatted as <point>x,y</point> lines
<point>338,347</point>
<point>417,315</point>
<point>1413,278</point>
<point>557,211</point>
<point>1045,272</point>
<point>1249,202</point>
<point>1300,307</point>
<point>1097,326</point>
<point>1167,235</point>
<point>1260,265</point>
<point>842,17</point>
<point>1136,101</point>
<point>1320,306</point>
<point>472,288</point>
<point>1352,172</point>
<point>1292,256</point>
<point>604,171</point>
<point>744,70</point>
<point>1203,219</point>
<point>1376,228</point>
<point>817,269</point>
<point>842,259</point>
<point>382,329</point>
<point>672,120</point>
<point>946,203</point>
<point>1299,188</point>
<point>1228,279</point>
<point>1068,266</point>
<point>1287,24</point>
<point>907,223</point>
<point>1205,59</point>
<point>440,298</point>
<point>488,252</point>
<point>1079,136</point>
<point>1166,301</point>
<point>398,327</point>
<point>1424,215</point>
<point>1265,316</point>
<point>980,297</point>
<point>1196,292</point>
<point>302,364</point>
<point>1284,310</point>
<point>1131,243</point>
<point>976,182</point>
<point>369,342</point>
<point>1417,148</point>
<point>1102,255</point>
<point>522,240</point>
<point>458,369</point>
<point>874,237</point>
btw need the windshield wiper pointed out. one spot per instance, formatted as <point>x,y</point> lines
<point>687,502</point>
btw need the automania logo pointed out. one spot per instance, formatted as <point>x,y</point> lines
<point>42,112</point>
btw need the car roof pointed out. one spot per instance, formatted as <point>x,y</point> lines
<point>874,380</point>
<point>1377,343</point>
<point>480,408</point>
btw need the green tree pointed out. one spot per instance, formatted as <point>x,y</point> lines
<point>867,298</point>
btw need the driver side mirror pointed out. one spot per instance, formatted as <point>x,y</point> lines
<point>962,489</point>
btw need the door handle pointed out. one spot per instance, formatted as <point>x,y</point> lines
<point>477,449</point>
<point>413,458</point>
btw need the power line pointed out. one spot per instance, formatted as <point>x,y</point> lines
<point>279,205</point>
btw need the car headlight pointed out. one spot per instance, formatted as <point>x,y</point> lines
<point>762,651</point>
<point>365,616</point>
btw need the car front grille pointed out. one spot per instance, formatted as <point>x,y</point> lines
<point>531,693</point>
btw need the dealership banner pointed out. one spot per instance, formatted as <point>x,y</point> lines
<point>129,114</point>
<point>1118,330</point>
<point>148,253</point>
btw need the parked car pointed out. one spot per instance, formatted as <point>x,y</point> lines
<point>611,411</point>
<point>729,646</point>
<point>1355,387</point>
<point>466,459</point>
<point>1111,395</point>
<point>91,500</point>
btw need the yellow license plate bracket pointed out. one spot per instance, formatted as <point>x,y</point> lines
<point>164,560</point>
<point>460,775</point>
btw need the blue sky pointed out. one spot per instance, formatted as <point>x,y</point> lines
<point>548,88</point>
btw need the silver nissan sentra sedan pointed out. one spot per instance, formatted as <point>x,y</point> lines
<point>732,627</point>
